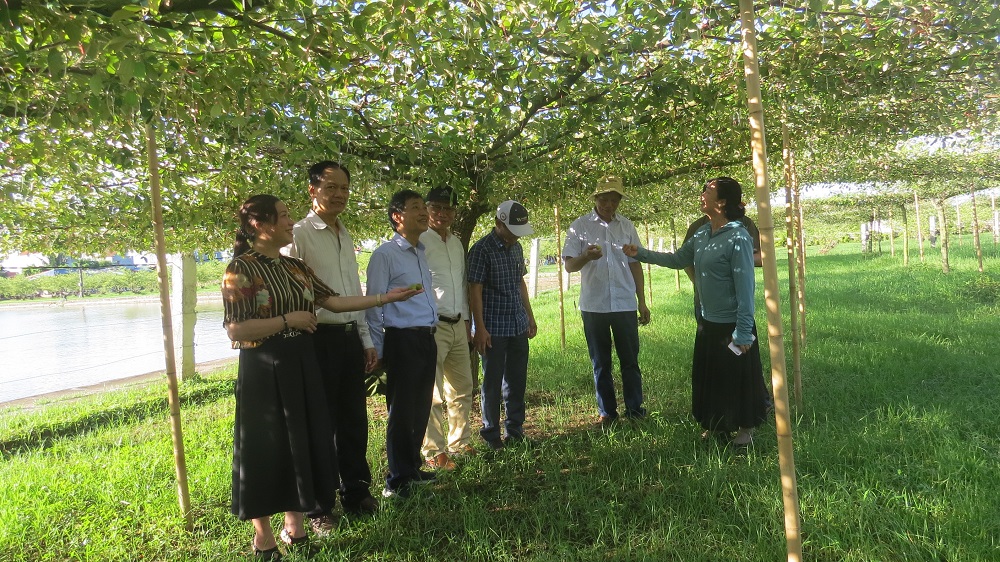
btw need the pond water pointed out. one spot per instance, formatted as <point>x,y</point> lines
<point>51,347</point>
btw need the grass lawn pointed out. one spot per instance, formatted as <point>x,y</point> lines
<point>897,448</point>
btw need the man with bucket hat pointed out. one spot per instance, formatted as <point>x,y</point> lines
<point>612,301</point>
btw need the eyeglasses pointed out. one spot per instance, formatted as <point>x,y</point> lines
<point>435,208</point>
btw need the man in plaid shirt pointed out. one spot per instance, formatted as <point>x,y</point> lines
<point>504,321</point>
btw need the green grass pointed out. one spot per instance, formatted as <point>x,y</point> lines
<point>896,449</point>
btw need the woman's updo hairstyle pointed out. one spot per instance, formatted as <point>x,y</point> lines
<point>729,189</point>
<point>258,209</point>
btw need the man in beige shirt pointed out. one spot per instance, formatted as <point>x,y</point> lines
<point>454,383</point>
<point>344,347</point>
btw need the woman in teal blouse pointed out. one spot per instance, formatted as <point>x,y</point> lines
<point>726,391</point>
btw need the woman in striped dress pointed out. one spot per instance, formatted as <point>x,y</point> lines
<point>283,457</point>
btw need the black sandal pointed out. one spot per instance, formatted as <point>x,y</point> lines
<point>269,555</point>
<point>291,541</point>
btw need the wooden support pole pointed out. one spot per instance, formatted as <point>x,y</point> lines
<point>562,306</point>
<point>920,234</point>
<point>996,222</point>
<point>673,248</point>
<point>533,268</point>
<point>790,251</point>
<point>975,229</point>
<point>173,399</point>
<point>800,256</point>
<point>783,425</point>
<point>906,236</point>
<point>939,205</point>
<point>649,271</point>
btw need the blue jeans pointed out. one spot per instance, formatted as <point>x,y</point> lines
<point>505,375</point>
<point>598,327</point>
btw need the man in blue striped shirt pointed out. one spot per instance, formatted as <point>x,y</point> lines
<point>403,335</point>
<point>498,299</point>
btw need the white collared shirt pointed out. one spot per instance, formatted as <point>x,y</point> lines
<point>606,284</point>
<point>331,255</point>
<point>446,260</point>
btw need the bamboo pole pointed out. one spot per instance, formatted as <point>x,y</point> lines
<point>673,248</point>
<point>786,153</point>
<point>975,229</point>
<point>939,204</point>
<point>920,234</point>
<point>786,459</point>
<point>996,223</point>
<point>958,223</point>
<point>892,236</point>
<point>562,309</point>
<point>173,400</point>
<point>800,240</point>
<point>877,223</point>
<point>906,234</point>
<point>649,270</point>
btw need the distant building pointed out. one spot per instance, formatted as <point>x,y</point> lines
<point>18,262</point>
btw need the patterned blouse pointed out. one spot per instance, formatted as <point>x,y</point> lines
<point>258,287</point>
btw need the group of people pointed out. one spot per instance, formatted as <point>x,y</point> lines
<point>307,337</point>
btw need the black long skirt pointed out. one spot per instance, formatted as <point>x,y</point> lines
<point>283,452</point>
<point>727,390</point>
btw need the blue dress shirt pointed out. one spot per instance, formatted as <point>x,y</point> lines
<point>397,263</point>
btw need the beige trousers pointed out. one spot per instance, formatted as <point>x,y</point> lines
<point>453,391</point>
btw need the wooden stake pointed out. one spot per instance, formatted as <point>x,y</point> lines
<point>996,223</point>
<point>673,248</point>
<point>562,309</point>
<point>786,458</point>
<point>920,234</point>
<point>892,236</point>
<point>939,205</point>
<point>790,250</point>
<point>975,229</point>
<point>649,271</point>
<point>173,400</point>
<point>906,236</point>
<point>800,256</point>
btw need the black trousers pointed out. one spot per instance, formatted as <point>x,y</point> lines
<point>410,359</point>
<point>341,361</point>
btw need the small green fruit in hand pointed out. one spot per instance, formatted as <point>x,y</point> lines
<point>415,287</point>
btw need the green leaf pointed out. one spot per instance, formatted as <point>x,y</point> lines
<point>96,84</point>
<point>230,38</point>
<point>56,64</point>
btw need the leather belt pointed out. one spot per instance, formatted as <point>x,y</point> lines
<point>447,320</point>
<point>421,329</point>
<point>348,327</point>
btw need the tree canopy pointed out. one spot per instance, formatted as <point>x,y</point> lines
<point>505,99</point>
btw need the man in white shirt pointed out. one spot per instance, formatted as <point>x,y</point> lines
<point>611,285</point>
<point>454,383</point>
<point>344,347</point>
